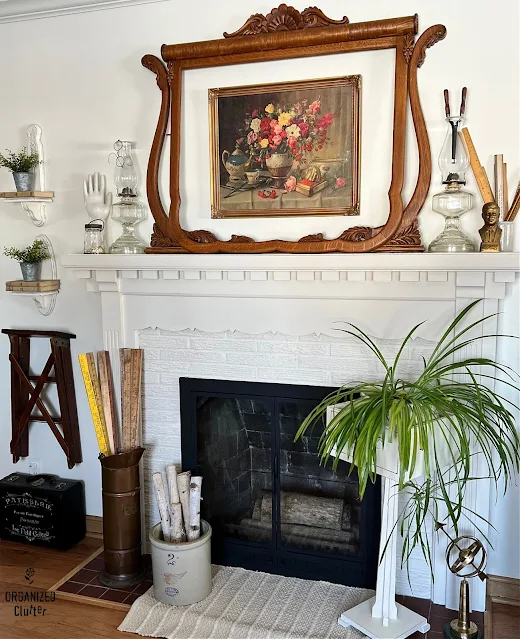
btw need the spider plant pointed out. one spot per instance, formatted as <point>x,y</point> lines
<point>447,404</point>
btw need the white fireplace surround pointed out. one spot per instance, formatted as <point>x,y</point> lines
<point>272,318</point>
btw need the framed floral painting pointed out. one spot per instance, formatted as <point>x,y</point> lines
<point>286,149</point>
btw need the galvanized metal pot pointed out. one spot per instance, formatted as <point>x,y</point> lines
<point>31,271</point>
<point>181,571</point>
<point>24,181</point>
<point>122,520</point>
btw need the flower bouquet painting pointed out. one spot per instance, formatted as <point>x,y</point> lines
<point>286,149</point>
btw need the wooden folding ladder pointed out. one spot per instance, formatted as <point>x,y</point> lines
<point>25,396</point>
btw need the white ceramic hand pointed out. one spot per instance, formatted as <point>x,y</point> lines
<point>97,201</point>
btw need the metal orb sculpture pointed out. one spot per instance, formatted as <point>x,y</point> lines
<point>466,557</point>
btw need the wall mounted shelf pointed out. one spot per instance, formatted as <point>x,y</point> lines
<point>45,300</point>
<point>33,202</point>
<point>29,196</point>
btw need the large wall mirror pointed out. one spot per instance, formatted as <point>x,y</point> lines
<point>291,118</point>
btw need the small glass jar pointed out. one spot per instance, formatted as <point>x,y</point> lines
<point>507,239</point>
<point>94,243</point>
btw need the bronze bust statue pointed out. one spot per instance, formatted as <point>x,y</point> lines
<point>490,233</point>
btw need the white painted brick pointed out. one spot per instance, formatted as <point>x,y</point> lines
<point>262,359</point>
<point>336,364</point>
<point>350,348</point>
<point>170,380</point>
<point>163,403</point>
<point>192,356</point>
<point>149,331</point>
<point>164,341</point>
<point>150,354</point>
<point>293,347</point>
<point>322,337</point>
<point>222,371</point>
<point>186,331</point>
<point>313,377</point>
<point>281,337</point>
<point>150,378</point>
<point>159,391</point>
<point>163,366</point>
<point>222,345</point>
<point>161,430</point>
<point>152,416</point>
<point>357,373</point>
<point>405,369</point>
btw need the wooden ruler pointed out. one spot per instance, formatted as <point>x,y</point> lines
<point>107,397</point>
<point>499,184</point>
<point>515,206</point>
<point>90,379</point>
<point>506,193</point>
<point>126,397</point>
<point>136,361</point>
<point>478,170</point>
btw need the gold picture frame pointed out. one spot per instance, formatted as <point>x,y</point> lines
<point>297,148</point>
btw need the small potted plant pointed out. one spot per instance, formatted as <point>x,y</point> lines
<point>21,165</point>
<point>30,259</point>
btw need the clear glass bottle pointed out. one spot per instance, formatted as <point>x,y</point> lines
<point>94,242</point>
<point>128,211</point>
<point>454,201</point>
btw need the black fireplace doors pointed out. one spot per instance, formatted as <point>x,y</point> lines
<point>271,505</point>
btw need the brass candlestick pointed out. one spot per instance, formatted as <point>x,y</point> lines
<point>466,557</point>
<point>490,233</point>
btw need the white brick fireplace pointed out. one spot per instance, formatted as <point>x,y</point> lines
<point>272,318</point>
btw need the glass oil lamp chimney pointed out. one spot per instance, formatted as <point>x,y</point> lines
<point>454,201</point>
<point>128,211</point>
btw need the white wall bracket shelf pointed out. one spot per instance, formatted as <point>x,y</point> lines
<point>45,301</point>
<point>34,202</point>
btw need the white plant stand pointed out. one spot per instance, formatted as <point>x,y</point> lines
<point>382,617</point>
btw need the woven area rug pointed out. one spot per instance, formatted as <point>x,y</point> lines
<point>251,605</point>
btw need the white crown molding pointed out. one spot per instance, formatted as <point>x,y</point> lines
<point>18,10</point>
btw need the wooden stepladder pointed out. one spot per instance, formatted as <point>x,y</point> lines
<point>26,396</point>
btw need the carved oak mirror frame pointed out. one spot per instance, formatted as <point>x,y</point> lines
<point>288,33</point>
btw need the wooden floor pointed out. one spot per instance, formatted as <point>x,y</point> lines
<point>504,621</point>
<point>62,619</point>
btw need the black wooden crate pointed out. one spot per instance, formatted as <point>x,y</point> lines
<point>42,510</point>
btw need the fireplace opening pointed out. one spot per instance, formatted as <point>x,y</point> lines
<point>271,504</point>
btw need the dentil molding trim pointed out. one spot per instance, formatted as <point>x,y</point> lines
<point>18,10</point>
<point>374,275</point>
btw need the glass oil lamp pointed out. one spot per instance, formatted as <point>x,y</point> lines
<point>128,211</point>
<point>454,200</point>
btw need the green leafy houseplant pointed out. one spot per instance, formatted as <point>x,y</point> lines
<point>21,162</point>
<point>448,404</point>
<point>36,252</point>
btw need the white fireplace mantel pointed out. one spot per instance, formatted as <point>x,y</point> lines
<point>448,275</point>
<point>272,318</point>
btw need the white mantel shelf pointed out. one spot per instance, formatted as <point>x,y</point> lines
<point>287,262</point>
<point>373,275</point>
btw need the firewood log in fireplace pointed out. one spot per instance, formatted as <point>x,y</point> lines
<point>322,539</point>
<point>305,510</point>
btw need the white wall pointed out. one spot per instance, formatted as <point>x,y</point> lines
<point>84,84</point>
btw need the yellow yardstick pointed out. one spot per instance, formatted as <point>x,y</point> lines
<point>90,378</point>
